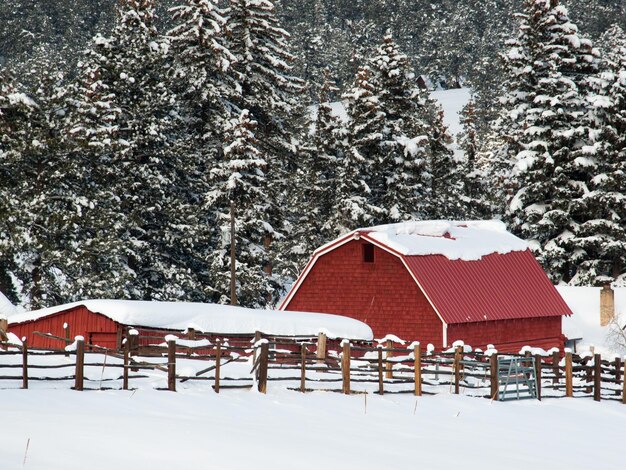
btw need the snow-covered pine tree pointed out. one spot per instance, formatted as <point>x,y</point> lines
<point>269,91</point>
<point>201,65</point>
<point>446,189</point>
<point>313,193</point>
<point>240,180</point>
<point>599,241</point>
<point>475,204</point>
<point>46,202</point>
<point>399,177</point>
<point>352,206</point>
<point>15,109</point>
<point>548,66</point>
<point>127,117</point>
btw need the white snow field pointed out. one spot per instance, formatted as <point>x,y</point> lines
<point>149,429</point>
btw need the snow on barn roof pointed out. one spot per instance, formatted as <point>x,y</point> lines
<point>469,271</point>
<point>212,318</point>
<point>470,240</point>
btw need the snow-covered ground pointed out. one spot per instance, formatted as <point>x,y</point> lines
<point>71,430</point>
<point>585,322</point>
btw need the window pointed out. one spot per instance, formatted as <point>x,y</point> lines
<point>368,253</point>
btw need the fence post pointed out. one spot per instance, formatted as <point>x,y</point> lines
<point>345,367</point>
<point>218,366</point>
<point>624,385</point>
<point>80,363</point>
<point>321,347</point>
<point>538,375</point>
<point>417,354</point>
<point>618,371</point>
<point>569,389</point>
<point>389,355</point>
<point>68,340</point>
<point>257,338</point>
<point>263,360</point>
<point>126,363</point>
<point>24,363</point>
<point>133,339</point>
<point>556,357</point>
<point>171,364</point>
<point>494,376</point>
<point>381,386</point>
<point>457,369</point>
<point>303,367</point>
<point>597,377</point>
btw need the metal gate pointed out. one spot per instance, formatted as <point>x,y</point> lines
<point>517,378</point>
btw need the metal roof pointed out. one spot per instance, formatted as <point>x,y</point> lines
<point>496,287</point>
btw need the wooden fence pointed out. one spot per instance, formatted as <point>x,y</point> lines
<point>305,364</point>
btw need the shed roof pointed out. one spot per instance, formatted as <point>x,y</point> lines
<point>470,271</point>
<point>211,318</point>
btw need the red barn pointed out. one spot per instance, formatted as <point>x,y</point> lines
<point>436,282</point>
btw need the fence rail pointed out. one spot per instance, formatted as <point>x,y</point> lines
<point>308,364</point>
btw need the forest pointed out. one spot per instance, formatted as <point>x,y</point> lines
<point>133,133</point>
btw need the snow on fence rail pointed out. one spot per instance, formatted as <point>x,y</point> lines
<point>301,363</point>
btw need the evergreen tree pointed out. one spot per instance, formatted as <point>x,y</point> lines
<point>400,180</point>
<point>475,204</point>
<point>447,179</point>
<point>126,116</point>
<point>548,64</point>
<point>599,241</point>
<point>313,195</point>
<point>352,207</point>
<point>240,182</point>
<point>269,91</point>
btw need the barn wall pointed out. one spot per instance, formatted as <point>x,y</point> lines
<point>382,294</point>
<point>510,335</point>
<point>102,330</point>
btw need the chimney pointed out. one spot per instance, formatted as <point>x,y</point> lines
<point>607,305</point>
<point>4,326</point>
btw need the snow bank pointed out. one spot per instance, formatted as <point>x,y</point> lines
<point>585,322</point>
<point>466,241</point>
<point>7,309</point>
<point>223,319</point>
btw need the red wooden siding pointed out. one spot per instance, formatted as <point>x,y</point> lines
<point>382,294</point>
<point>509,335</point>
<point>101,330</point>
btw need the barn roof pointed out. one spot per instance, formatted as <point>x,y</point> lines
<point>470,271</point>
<point>213,318</point>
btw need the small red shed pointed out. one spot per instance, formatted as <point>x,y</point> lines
<point>436,282</point>
<point>104,322</point>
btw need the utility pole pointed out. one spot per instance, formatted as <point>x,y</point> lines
<point>233,260</point>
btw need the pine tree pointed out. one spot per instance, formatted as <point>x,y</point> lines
<point>352,207</point>
<point>240,182</point>
<point>202,65</point>
<point>548,64</point>
<point>475,204</point>
<point>15,108</point>
<point>447,181</point>
<point>126,117</point>
<point>400,180</point>
<point>313,195</point>
<point>269,91</point>
<point>599,241</point>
